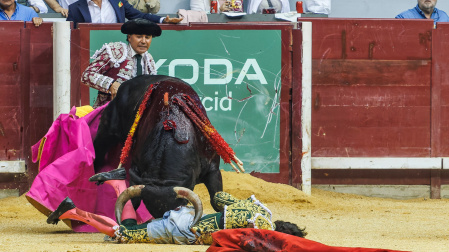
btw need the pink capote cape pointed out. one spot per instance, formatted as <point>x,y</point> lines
<point>65,165</point>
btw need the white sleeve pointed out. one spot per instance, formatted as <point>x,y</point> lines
<point>40,5</point>
<point>200,5</point>
<point>285,6</point>
<point>253,5</point>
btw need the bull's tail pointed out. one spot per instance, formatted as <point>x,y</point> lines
<point>189,107</point>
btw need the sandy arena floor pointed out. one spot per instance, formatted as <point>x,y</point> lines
<point>330,218</point>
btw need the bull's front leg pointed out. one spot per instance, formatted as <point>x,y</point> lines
<point>213,180</point>
<point>103,142</point>
<point>102,145</point>
<point>109,133</point>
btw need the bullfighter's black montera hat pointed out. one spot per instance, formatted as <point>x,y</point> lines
<point>141,26</point>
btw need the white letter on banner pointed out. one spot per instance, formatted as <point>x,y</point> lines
<point>257,76</point>
<point>159,63</point>
<point>207,75</point>
<point>185,62</point>
<point>226,99</point>
<point>204,103</point>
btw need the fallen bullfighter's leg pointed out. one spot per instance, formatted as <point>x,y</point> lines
<point>68,210</point>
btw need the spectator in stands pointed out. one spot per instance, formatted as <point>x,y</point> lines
<point>11,10</point>
<point>224,6</point>
<point>37,5</point>
<point>60,7</point>
<point>110,11</point>
<point>258,6</point>
<point>425,9</point>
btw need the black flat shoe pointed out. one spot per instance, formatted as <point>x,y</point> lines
<point>66,205</point>
<point>117,174</point>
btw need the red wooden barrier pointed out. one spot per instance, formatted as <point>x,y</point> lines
<point>440,91</point>
<point>26,99</point>
<point>379,90</point>
<point>38,114</point>
<point>296,103</point>
<point>371,88</point>
<point>10,97</point>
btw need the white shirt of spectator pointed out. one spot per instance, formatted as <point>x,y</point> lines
<point>253,6</point>
<point>105,14</point>
<point>65,3</point>
<point>39,4</point>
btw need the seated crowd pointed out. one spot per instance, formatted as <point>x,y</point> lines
<point>117,11</point>
<point>81,11</point>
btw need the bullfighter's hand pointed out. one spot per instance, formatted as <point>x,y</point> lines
<point>114,88</point>
<point>37,21</point>
<point>225,7</point>
<point>169,20</point>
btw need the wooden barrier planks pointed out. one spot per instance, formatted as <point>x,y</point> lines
<point>39,93</point>
<point>371,88</point>
<point>348,72</point>
<point>387,39</point>
<point>440,91</point>
<point>11,127</point>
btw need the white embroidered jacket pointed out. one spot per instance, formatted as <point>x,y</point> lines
<point>114,62</point>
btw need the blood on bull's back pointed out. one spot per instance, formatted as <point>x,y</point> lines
<point>168,146</point>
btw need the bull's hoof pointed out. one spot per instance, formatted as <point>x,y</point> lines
<point>117,174</point>
<point>66,205</point>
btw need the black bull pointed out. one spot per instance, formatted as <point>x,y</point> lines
<point>160,159</point>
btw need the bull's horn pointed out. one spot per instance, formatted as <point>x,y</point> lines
<point>188,194</point>
<point>129,193</point>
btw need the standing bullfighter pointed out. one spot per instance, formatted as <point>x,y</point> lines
<point>117,62</point>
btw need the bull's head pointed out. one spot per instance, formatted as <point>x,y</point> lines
<point>181,192</point>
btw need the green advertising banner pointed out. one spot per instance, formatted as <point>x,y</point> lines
<point>237,74</point>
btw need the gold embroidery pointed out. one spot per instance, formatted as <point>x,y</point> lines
<point>41,148</point>
<point>204,239</point>
<point>133,236</point>
<point>240,214</point>
<point>205,227</point>
<point>222,199</point>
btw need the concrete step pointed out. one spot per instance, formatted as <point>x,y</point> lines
<point>11,167</point>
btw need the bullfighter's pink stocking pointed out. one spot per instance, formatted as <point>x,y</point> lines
<point>101,223</point>
<point>128,210</point>
<point>118,185</point>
